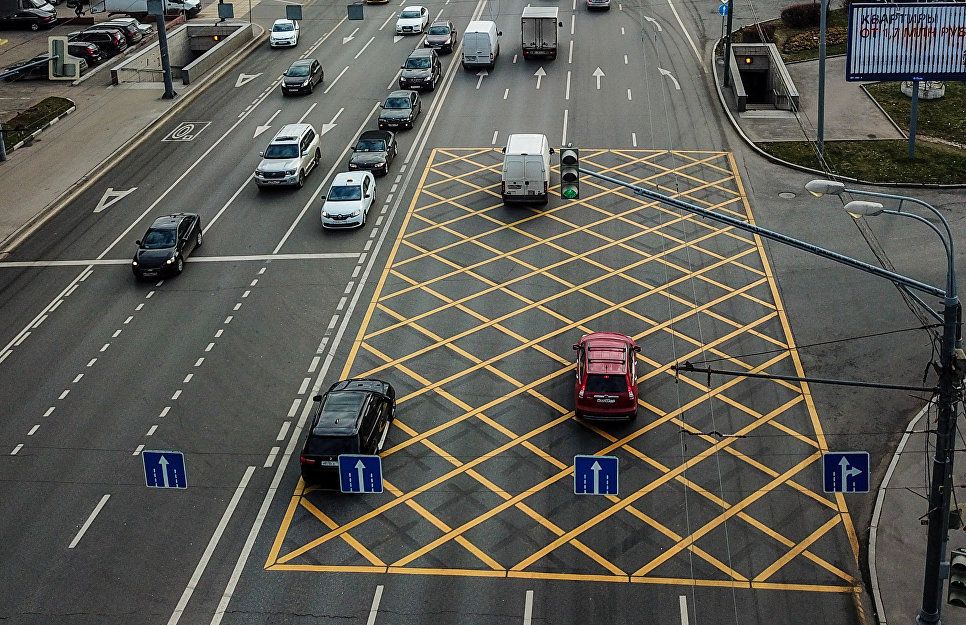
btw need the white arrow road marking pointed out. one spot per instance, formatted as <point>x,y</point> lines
<point>260,129</point>
<point>351,36</point>
<point>327,127</point>
<point>664,72</point>
<point>654,21</point>
<point>539,74</point>
<point>111,197</point>
<point>482,74</point>
<point>598,75</point>
<point>244,79</point>
<point>397,38</point>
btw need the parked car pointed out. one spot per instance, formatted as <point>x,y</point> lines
<point>400,110</point>
<point>352,417</point>
<point>285,33</point>
<point>421,70</point>
<point>374,151</point>
<point>36,72</point>
<point>165,246</point>
<point>110,42</point>
<point>349,199</point>
<point>131,32</point>
<point>441,35</point>
<point>606,385</point>
<point>302,76</point>
<point>292,154</point>
<point>85,50</point>
<point>412,20</point>
<point>32,19</point>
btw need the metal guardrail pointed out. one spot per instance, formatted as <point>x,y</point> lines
<point>26,66</point>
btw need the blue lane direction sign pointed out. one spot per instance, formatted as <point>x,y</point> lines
<point>846,471</point>
<point>722,10</point>
<point>164,469</point>
<point>595,475</point>
<point>360,474</point>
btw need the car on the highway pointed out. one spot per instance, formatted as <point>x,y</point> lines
<point>421,70</point>
<point>400,110</point>
<point>110,42</point>
<point>441,35</point>
<point>285,34</point>
<point>32,19</point>
<point>165,246</point>
<point>604,5</point>
<point>352,417</point>
<point>606,385</point>
<point>349,199</point>
<point>376,1</point>
<point>374,151</point>
<point>412,20</point>
<point>302,76</point>
<point>288,159</point>
<point>35,72</point>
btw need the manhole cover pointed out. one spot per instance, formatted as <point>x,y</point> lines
<point>786,195</point>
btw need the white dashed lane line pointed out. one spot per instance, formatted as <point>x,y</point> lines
<point>16,449</point>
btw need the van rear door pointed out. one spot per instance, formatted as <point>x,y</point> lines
<point>514,174</point>
<point>535,175</point>
<point>476,48</point>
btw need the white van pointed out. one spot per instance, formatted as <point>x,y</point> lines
<point>481,45</point>
<point>526,169</point>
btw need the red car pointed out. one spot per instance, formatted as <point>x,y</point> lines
<point>606,386</point>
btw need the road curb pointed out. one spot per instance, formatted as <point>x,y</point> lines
<point>802,168</point>
<point>101,169</point>
<point>34,134</point>
<point>877,512</point>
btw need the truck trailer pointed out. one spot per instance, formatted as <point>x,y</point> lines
<point>538,27</point>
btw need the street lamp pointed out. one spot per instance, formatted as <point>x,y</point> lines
<point>950,383</point>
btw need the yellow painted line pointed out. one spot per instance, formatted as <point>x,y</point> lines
<point>324,568</point>
<point>798,549</point>
<point>284,526</point>
<point>806,587</point>
<point>567,577</point>
<point>355,544</point>
<point>454,572</point>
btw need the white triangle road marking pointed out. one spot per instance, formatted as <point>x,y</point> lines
<point>111,197</point>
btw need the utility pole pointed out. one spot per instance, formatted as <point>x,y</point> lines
<point>822,28</point>
<point>156,8</point>
<point>727,59</point>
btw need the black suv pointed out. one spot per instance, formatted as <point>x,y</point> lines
<point>166,244</point>
<point>352,417</point>
<point>421,70</point>
<point>374,150</point>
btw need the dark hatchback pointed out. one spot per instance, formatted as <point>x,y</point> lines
<point>85,50</point>
<point>302,76</point>
<point>399,110</point>
<point>352,417</point>
<point>165,246</point>
<point>374,150</point>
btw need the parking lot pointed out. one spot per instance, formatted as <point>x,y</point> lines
<point>473,324</point>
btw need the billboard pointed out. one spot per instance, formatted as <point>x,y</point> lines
<point>906,41</point>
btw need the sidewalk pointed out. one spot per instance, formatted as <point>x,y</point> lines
<point>108,121</point>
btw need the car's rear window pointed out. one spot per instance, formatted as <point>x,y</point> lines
<point>332,445</point>
<point>597,383</point>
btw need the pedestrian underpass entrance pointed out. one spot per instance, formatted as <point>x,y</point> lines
<point>759,78</point>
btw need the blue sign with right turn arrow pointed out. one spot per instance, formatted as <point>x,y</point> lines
<point>846,472</point>
<point>595,475</point>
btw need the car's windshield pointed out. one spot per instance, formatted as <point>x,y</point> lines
<point>283,28</point>
<point>597,383</point>
<point>298,71</point>
<point>344,193</point>
<point>158,238</point>
<point>417,63</point>
<point>398,103</point>
<point>409,14</point>
<point>283,150</point>
<point>371,145</point>
<point>439,30</point>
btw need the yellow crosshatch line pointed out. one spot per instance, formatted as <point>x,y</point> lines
<point>280,559</point>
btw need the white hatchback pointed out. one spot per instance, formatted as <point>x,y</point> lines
<point>413,19</point>
<point>349,199</point>
<point>285,33</point>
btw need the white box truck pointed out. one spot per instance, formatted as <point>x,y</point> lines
<point>538,27</point>
<point>140,7</point>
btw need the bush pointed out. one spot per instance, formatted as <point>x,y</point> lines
<point>802,15</point>
<point>808,40</point>
<point>751,34</point>
<point>33,118</point>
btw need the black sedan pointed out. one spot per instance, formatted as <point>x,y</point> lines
<point>166,244</point>
<point>400,110</point>
<point>302,77</point>
<point>34,19</point>
<point>374,151</point>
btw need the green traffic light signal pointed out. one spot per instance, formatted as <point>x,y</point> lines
<point>569,173</point>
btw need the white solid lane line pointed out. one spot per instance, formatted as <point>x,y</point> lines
<point>87,523</point>
<point>528,608</point>
<point>374,609</point>
<point>687,35</point>
<point>332,84</point>
<point>683,602</point>
<point>215,538</point>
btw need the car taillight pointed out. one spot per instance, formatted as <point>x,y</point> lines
<point>580,393</point>
<point>306,460</point>
<point>630,390</point>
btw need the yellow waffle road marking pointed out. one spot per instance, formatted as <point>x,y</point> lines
<point>355,544</point>
<point>799,548</point>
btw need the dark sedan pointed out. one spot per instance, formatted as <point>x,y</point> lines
<point>399,110</point>
<point>302,77</point>
<point>85,50</point>
<point>374,151</point>
<point>441,35</point>
<point>34,19</point>
<point>166,244</point>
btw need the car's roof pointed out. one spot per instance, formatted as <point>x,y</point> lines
<point>283,21</point>
<point>606,352</point>
<point>349,178</point>
<point>169,221</point>
<point>301,62</point>
<point>421,52</point>
<point>413,7</point>
<point>340,411</point>
<point>441,23</point>
<point>383,135</point>
<point>525,143</point>
<point>400,93</point>
<point>290,133</point>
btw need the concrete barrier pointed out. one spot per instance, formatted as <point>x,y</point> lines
<point>238,36</point>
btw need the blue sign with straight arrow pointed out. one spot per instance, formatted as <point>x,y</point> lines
<point>164,469</point>
<point>595,475</point>
<point>360,473</point>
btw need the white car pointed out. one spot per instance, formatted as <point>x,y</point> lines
<point>349,199</point>
<point>412,20</point>
<point>285,34</point>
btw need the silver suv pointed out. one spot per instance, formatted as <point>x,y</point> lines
<point>289,158</point>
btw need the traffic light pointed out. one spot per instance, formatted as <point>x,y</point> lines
<point>957,578</point>
<point>569,173</point>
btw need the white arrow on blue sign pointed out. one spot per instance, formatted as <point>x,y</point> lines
<point>845,471</point>
<point>595,475</point>
<point>164,469</point>
<point>360,473</point>
<point>722,10</point>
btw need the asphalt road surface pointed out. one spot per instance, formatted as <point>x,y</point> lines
<point>469,309</point>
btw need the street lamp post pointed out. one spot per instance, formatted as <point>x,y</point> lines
<point>950,379</point>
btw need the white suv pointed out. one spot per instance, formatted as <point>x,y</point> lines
<point>289,158</point>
